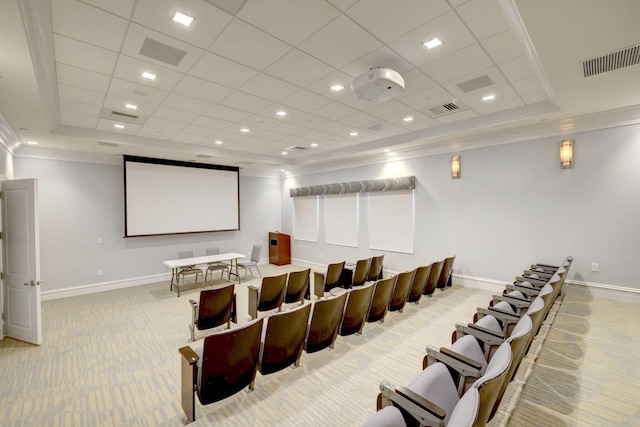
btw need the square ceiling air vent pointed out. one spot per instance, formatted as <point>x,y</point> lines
<point>161,52</point>
<point>378,127</point>
<point>448,108</point>
<point>611,61</point>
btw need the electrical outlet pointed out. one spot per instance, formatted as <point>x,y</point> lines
<point>595,267</point>
<point>99,272</point>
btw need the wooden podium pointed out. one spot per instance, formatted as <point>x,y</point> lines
<point>279,249</point>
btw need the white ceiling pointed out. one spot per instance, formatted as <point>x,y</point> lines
<point>68,67</point>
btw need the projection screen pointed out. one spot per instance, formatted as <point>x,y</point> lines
<point>173,197</point>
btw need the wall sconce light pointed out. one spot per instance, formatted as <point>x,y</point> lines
<point>566,154</point>
<point>455,167</point>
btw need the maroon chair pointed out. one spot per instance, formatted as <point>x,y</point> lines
<point>214,308</point>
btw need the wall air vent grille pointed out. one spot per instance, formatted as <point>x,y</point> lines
<point>612,61</point>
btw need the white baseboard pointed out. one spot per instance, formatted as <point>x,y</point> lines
<point>478,282</point>
<point>104,286</point>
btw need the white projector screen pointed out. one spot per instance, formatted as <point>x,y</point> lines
<point>172,197</point>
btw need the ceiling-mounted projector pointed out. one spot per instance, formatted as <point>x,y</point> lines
<point>378,84</point>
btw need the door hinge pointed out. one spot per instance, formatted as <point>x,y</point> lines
<point>1,275</point>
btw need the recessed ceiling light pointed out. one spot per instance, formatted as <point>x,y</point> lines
<point>407,119</point>
<point>337,88</point>
<point>386,150</point>
<point>118,126</point>
<point>281,170</point>
<point>218,142</point>
<point>281,113</point>
<point>314,144</point>
<point>131,106</point>
<point>149,76</point>
<point>244,130</point>
<point>284,153</point>
<point>32,142</point>
<point>430,44</point>
<point>354,133</point>
<point>183,19</point>
<point>489,98</point>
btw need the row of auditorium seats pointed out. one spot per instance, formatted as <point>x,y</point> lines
<point>227,361</point>
<point>463,385</point>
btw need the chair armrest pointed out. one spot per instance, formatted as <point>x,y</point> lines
<point>194,313</point>
<point>498,314</point>
<point>416,399</point>
<point>545,265</point>
<point>486,331</point>
<point>253,301</point>
<point>463,365</point>
<point>514,301</point>
<point>488,337</point>
<point>532,292</point>
<point>426,412</point>
<point>318,284</point>
<point>188,381</point>
<point>535,282</point>
<point>188,354</point>
<point>541,274</point>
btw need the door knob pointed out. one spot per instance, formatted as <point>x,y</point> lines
<point>32,283</point>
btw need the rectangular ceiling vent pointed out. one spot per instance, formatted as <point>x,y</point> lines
<point>296,148</point>
<point>475,84</point>
<point>203,156</point>
<point>378,127</point>
<point>612,61</point>
<point>448,108</point>
<point>161,52</point>
<point>123,116</point>
<point>108,144</point>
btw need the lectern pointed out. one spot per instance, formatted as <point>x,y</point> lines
<point>279,249</point>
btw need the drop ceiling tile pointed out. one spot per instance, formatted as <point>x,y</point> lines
<point>211,123</point>
<point>288,128</point>
<point>186,103</point>
<point>289,20</point>
<point>137,91</point>
<point>502,47</point>
<point>343,4</point>
<point>517,69</point>
<point>503,93</point>
<point>245,102</point>
<point>340,42</point>
<point>532,98</point>
<point>160,128</point>
<point>255,122</point>
<point>500,105</point>
<point>388,22</point>
<point>457,117</point>
<point>527,86</point>
<point>73,76</point>
<point>121,8</point>
<point>420,121</point>
<point>492,73</point>
<point>305,100</point>
<point>427,98</point>
<point>84,96</point>
<point>109,126</point>
<point>226,113</point>
<point>91,25</point>
<point>83,55</point>
<point>379,58</point>
<point>308,120</point>
<point>358,120</point>
<point>207,24</point>
<point>79,120</point>
<point>268,87</point>
<point>175,115</point>
<point>188,137</point>
<point>136,37</point>
<point>416,81</point>
<point>484,18</point>
<point>271,135</point>
<point>80,108</point>
<point>458,64</point>
<point>217,69</point>
<point>323,86</point>
<point>359,104</point>
<point>389,109</point>
<point>228,137</point>
<point>272,109</point>
<point>313,135</point>
<point>200,131</point>
<point>335,111</point>
<point>202,89</point>
<point>117,103</point>
<point>131,69</point>
<point>449,28</point>
<point>249,46</point>
<point>299,68</point>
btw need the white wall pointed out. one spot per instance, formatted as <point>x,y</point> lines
<point>83,202</point>
<point>513,205</point>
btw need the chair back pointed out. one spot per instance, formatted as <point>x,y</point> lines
<point>216,307</point>
<point>490,384</point>
<point>361,272</point>
<point>255,253</point>
<point>297,286</point>
<point>355,312</point>
<point>212,251</point>
<point>323,327</point>
<point>466,411</point>
<point>519,340</point>
<point>375,270</point>
<point>334,273</point>
<point>445,274</point>
<point>283,339</point>
<point>434,275</point>
<point>381,298</point>
<point>272,292</point>
<point>401,290</point>
<point>229,362</point>
<point>187,253</point>
<point>419,283</point>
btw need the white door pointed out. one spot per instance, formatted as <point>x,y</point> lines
<point>21,266</point>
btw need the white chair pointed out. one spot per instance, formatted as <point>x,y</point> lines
<point>189,270</point>
<point>215,266</point>
<point>253,262</point>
